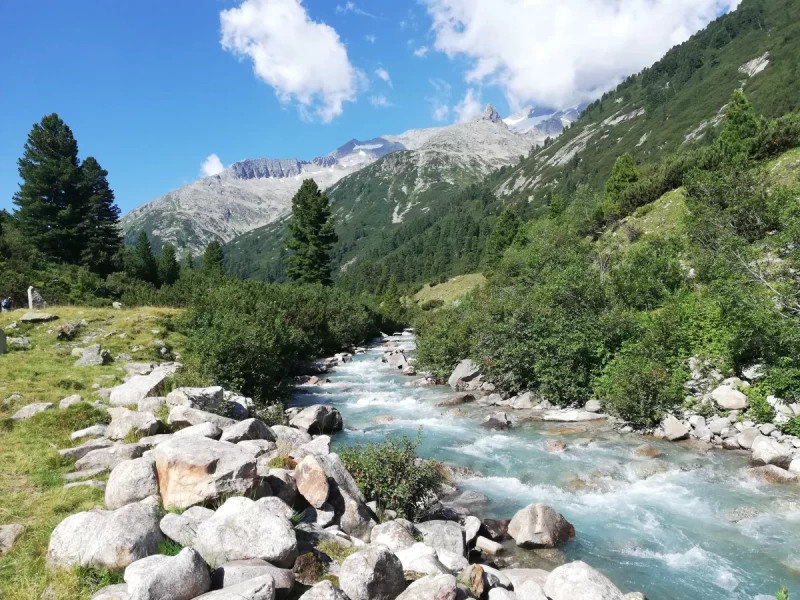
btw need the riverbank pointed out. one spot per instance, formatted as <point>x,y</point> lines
<point>689,523</point>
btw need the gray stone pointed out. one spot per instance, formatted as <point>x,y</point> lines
<point>94,356</point>
<point>729,398</point>
<point>76,475</point>
<point>730,444</point>
<point>312,481</point>
<point>394,535</point>
<point>767,451</point>
<point>283,485</point>
<point>372,574</point>
<point>184,416</point>
<point>498,420</point>
<point>139,387</point>
<point>249,429</point>
<point>238,571</point>
<point>747,437</point>
<point>433,587</point>
<point>718,424</point>
<point>289,438</point>
<point>499,593</point>
<point>593,406</point>
<point>324,590</point>
<point>259,447</point>
<point>125,421</point>
<point>495,578</point>
<point>465,372</point>
<point>673,429</point>
<point>9,534</point>
<point>318,419</point>
<point>487,546</point>
<point>70,401</point>
<point>37,317</point>
<point>26,412</point>
<point>530,590</point>
<point>112,592</point>
<point>208,398</point>
<point>445,535</point>
<point>85,448</point>
<point>180,577</point>
<point>194,469</point>
<point>773,474</point>
<point>519,577</point>
<point>320,445</point>
<point>258,588</point>
<point>570,416</point>
<point>472,526</point>
<point>151,404</point>
<point>579,580</point>
<point>182,528</point>
<point>207,430</point>
<point>355,518</point>
<point>92,483</point>
<point>241,529</point>
<point>539,526</point>
<point>106,539</point>
<point>131,481</point>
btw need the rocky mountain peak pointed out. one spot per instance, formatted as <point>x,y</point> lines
<point>490,114</point>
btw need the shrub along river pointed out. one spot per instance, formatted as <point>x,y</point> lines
<point>683,525</point>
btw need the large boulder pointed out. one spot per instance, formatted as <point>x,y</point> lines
<point>140,387</point>
<point>249,429</point>
<point>289,438</point>
<point>106,539</point>
<point>747,437</point>
<point>530,590</point>
<point>673,429</point>
<point>443,535</point>
<point>181,577</point>
<point>110,457</point>
<point>26,412</point>
<point>498,420</point>
<point>258,588</point>
<point>78,452</point>
<point>242,528</point>
<point>208,430</point>
<point>238,571</point>
<point>201,398</point>
<point>324,590</point>
<point>395,535</point>
<point>579,580</point>
<point>465,372</point>
<point>767,451</point>
<point>773,474</point>
<point>112,592</point>
<point>9,534</point>
<point>318,419</point>
<point>433,587</point>
<point>539,526</point>
<point>131,481</point>
<point>374,573</point>
<point>519,577</point>
<point>283,485</point>
<point>193,470</point>
<point>124,422</point>
<point>355,517</point>
<point>312,481</point>
<point>182,527</point>
<point>185,416</point>
<point>729,398</point>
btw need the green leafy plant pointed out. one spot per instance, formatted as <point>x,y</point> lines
<point>336,551</point>
<point>792,427</point>
<point>759,409</point>
<point>281,462</point>
<point>782,594</point>
<point>390,474</point>
<point>169,548</point>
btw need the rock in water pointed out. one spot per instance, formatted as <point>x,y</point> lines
<point>241,529</point>
<point>498,420</point>
<point>578,580</point>
<point>374,573</point>
<point>106,539</point>
<point>131,481</point>
<point>181,577</point>
<point>465,372</point>
<point>437,587</point>
<point>767,451</point>
<point>539,526</point>
<point>318,419</point>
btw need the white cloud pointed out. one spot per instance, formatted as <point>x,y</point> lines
<point>370,38</point>
<point>303,60</point>
<point>351,7</point>
<point>421,51</point>
<point>440,100</point>
<point>440,112</point>
<point>561,53</point>
<point>212,166</point>
<point>470,107</point>
<point>384,74</point>
<point>379,101</point>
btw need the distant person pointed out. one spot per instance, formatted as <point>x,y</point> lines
<point>6,304</point>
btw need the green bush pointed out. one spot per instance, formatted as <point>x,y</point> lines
<point>792,427</point>
<point>759,409</point>
<point>390,474</point>
<point>432,304</point>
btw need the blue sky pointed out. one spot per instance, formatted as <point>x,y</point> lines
<point>152,88</point>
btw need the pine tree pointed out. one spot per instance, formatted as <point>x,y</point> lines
<point>141,262</point>
<point>188,260</point>
<point>741,125</point>
<point>503,233</point>
<point>51,207</point>
<point>557,206</point>
<point>391,305</point>
<point>168,269</point>
<point>214,260</point>
<point>311,236</point>
<point>623,175</point>
<point>102,239</point>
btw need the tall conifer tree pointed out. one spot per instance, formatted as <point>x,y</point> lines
<point>214,259</point>
<point>102,240</point>
<point>142,263</point>
<point>503,233</point>
<point>311,236</point>
<point>168,269</point>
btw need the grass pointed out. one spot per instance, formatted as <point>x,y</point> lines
<point>786,168</point>
<point>281,462</point>
<point>31,483</point>
<point>450,290</point>
<point>663,217</point>
<point>169,548</point>
<point>336,551</point>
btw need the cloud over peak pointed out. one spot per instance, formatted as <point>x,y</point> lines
<point>212,166</point>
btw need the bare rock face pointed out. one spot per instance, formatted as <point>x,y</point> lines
<point>375,573</point>
<point>192,470</point>
<point>579,580</point>
<point>242,529</point>
<point>465,372</point>
<point>181,577</point>
<point>131,481</point>
<point>539,526</point>
<point>106,539</point>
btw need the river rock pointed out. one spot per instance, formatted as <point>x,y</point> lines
<point>593,406</point>
<point>237,571</point>
<point>465,372</point>
<point>530,590</point>
<point>718,424</point>
<point>457,400</point>
<point>106,539</point>
<point>355,517</point>
<point>207,398</point>
<point>731,444</point>
<point>570,416</point>
<point>747,437</point>
<point>372,574</point>
<point>249,429</point>
<point>141,386</point>
<point>494,578</point>
<point>773,474</point>
<point>487,546</point>
<point>472,578</point>
<point>498,420</point>
<point>258,588</point>
<point>26,412</point>
<point>554,446</point>
<point>9,534</point>
<point>124,422</point>
<point>673,429</point>
<point>182,528</point>
<point>193,470</point>
<point>454,563</point>
<point>131,481</point>
<point>499,593</point>
<point>445,535</point>
<point>320,445</point>
<point>413,553</point>
<point>289,438</point>
<point>646,451</point>
<point>110,457</point>
<point>181,577</point>
<point>728,398</point>
<point>519,577</point>
<point>242,528</point>
<point>433,587</point>
<point>312,481</point>
<point>318,419</point>
<point>283,485</point>
<point>324,590</point>
<point>259,448</point>
<point>539,526</point>
<point>472,525</point>
<point>395,535</point>
<point>578,580</point>
<point>184,416</point>
<point>767,451</point>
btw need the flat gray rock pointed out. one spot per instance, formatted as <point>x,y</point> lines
<point>249,429</point>
<point>98,430</point>
<point>238,571</point>
<point>108,458</point>
<point>434,587</point>
<point>579,580</point>
<point>125,421</point>
<point>139,387</point>
<point>131,481</point>
<point>258,588</point>
<point>444,535</point>
<point>9,534</point>
<point>181,577</point>
<point>182,528</point>
<point>26,412</point>
<point>185,416</point>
